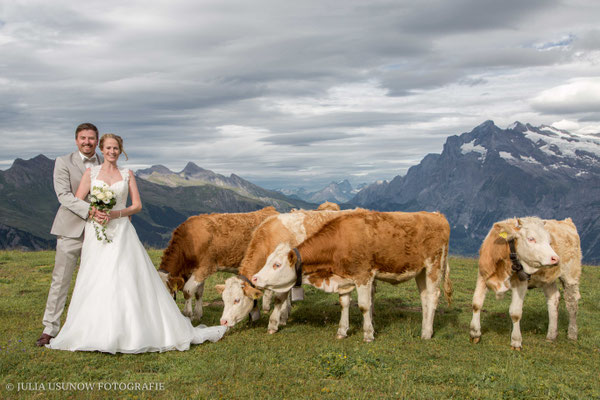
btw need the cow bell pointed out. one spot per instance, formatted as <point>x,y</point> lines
<point>254,315</point>
<point>297,293</point>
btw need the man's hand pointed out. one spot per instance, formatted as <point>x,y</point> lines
<point>100,217</point>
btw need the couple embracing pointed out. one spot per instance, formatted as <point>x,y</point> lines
<point>119,303</point>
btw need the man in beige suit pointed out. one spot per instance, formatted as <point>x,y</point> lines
<point>69,224</point>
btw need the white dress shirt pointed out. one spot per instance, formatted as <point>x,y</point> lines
<point>88,162</point>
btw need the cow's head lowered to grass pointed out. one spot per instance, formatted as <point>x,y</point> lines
<point>531,240</point>
<point>238,300</point>
<point>279,272</point>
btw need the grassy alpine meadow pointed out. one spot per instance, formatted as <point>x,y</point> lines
<point>304,360</point>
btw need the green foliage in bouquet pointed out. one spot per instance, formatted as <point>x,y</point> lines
<point>103,199</point>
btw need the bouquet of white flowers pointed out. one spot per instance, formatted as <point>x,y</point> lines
<point>103,199</point>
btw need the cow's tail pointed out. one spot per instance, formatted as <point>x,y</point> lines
<point>446,282</point>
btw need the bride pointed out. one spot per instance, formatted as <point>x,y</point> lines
<point>119,303</point>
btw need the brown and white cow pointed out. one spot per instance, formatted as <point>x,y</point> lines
<point>547,250</point>
<point>203,245</point>
<point>328,205</point>
<point>291,228</point>
<point>354,249</point>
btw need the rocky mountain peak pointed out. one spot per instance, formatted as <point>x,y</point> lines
<point>160,169</point>
<point>489,174</point>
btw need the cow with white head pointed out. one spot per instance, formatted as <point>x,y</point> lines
<point>520,253</point>
<point>239,299</point>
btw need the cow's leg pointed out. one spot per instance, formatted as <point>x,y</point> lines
<point>280,304</point>
<point>345,317</point>
<point>373,290</point>
<point>266,301</point>
<point>552,298</point>
<point>364,303</point>
<point>478,299</point>
<point>421,280</point>
<point>286,310</point>
<point>516,311</point>
<point>572,297</point>
<point>189,291</point>
<point>198,311</point>
<point>432,283</point>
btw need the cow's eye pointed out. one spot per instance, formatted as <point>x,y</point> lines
<point>236,301</point>
<point>531,239</point>
<point>276,265</point>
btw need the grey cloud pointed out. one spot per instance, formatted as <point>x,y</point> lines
<point>166,75</point>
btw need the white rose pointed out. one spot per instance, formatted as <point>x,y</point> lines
<point>101,196</point>
<point>96,192</point>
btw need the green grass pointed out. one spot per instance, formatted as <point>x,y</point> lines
<point>304,360</point>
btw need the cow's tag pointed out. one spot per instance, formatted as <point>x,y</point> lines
<point>297,294</point>
<point>254,315</point>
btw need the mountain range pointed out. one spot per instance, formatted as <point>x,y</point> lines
<point>28,202</point>
<point>338,192</point>
<point>490,174</point>
<point>481,176</point>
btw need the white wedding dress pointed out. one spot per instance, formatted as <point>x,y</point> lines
<point>119,303</point>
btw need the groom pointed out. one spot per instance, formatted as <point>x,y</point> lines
<point>69,223</point>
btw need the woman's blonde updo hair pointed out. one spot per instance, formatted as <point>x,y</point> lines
<point>117,138</point>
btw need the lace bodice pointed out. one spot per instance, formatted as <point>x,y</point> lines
<point>121,188</point>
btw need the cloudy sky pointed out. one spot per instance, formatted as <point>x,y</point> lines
<point>291,93</point>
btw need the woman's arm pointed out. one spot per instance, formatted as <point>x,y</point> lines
<point>136,203</point>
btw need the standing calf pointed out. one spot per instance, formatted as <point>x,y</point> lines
<point>547,250</point>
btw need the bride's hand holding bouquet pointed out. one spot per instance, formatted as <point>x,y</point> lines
<point>102,199</point>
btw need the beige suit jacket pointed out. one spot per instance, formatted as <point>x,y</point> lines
<point>73,212</point>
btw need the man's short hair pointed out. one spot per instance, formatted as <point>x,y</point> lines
<point>86,126</point>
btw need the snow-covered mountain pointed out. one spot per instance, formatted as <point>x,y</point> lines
<point>491,173</point>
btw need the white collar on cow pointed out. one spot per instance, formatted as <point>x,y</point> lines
<point>517,267</point>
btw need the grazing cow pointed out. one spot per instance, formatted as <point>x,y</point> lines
<point>203,245</point>
<point>543,251</point>
<point>291,228</point>
<point>354,249</point>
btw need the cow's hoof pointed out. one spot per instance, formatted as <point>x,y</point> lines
<point>338,336</point>
<point>475,340</point>
<point>572,337</point>
<point>516,348</point>
<point>271,331</point>
<point>550,340</point>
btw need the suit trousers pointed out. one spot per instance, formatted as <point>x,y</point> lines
<point>68,251</point>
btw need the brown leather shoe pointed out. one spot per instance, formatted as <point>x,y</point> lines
<point>43,340</point>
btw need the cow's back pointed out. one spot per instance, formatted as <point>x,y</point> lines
<point>292,228</point>
<point>406,240</point>
<point>393,243</point>
<point>228,235</point>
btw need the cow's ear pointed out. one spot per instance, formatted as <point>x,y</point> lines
<point>251,292</point>
<point>220,288</point>
<point>292,258</point>
<point>506,229</point>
